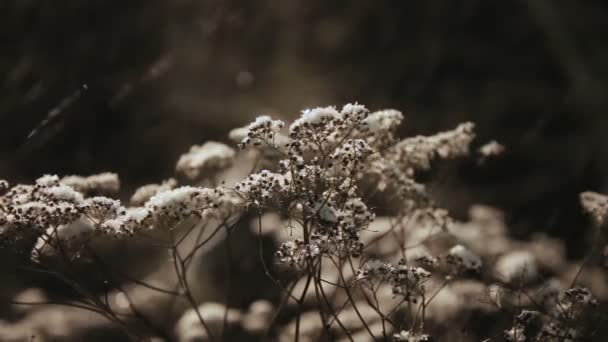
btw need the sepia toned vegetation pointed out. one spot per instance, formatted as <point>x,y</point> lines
<point>320,230</point>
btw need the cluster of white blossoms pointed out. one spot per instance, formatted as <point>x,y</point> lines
<point>464,259</point>
<point>517,267</point>
<point>144,193</point>
<point>491,149</point>
<point>50,212</point>
<point>102,183</point>
<point>572,315</point>
<point>4,186</point>
<point>397,164</point>
<point>406,281</point>
<point>263,130</point>
<point>205,160</point>
<point>596,205</point>
<point>418,152</point>
<point>28,210</point>
<point>320,180</point>
<point>329,153</point>
<point>565,321</point>
<point>516,334</point>
<point>170,207</point>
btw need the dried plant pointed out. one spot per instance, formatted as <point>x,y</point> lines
<point>339,271</point>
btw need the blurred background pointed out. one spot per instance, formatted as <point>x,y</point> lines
<point>163,75</point>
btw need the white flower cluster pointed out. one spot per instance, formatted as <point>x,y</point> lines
<point>568,316</point>
<point>595,205</point>
<point>170,207</point>
<point>516,267</point>
<point>516,334</point>
<point>182,202</point>
<point>28,210</point>
<point>103,183</point>
<point>4,186</point>
<point>566,321</point>
<point>314,117</point>
<point>383,121</point>
<point>263,130</point>
<point>204,160</point>
<point>320,129</point>
<point>144,193</point>
<point>264,186</point>
<point>396,164</point>
<point>464,259</point>
<point>526,327</point>
<point>52,212</point>
<point>491,149</point>
<point>328,153</point>
<point>379,128</point>
<point>417,153</point>
<point>406,281</point>
<point>351,155</point>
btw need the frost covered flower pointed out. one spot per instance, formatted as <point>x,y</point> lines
<point>313,117</point>
<point>170,207</point>
<point>4,186</point>
<point>49,188</point>
<point>570,320</point>
<point>288,252</point>
<point>144,193</point>
<point>262,131</point>
<point>395,165</point>
<point>515,334</point>
<point>90,217</point>
<point>578,296</point>
<point>383,120</point>
<point>374,268</point>
<point>596,205</point>
<point>378,128</point>
<point>106,182</point>
<point>464,258</point>
<point>491,149</point>
<point>102,208</point>
<point>127,223</point>
<point>351,155</point>
<point>207,158</point>
<point>238,134</point>
<point>264,186</point>
<point>517,266</point>
<point>182,202</point>
<point>66,233</point>
<point>27,211</point>
<point>406,281</point>
<point>417,153</point>
<point>328,153</point>
<point>432,218</point>
<point>319,129</point>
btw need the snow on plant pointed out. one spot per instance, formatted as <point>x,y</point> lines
<point>209,157</point>
<point>144,193</point>
<point>103,183</point>
<point>464,258</point>
<point>596,205</point>
<point>342,272</point>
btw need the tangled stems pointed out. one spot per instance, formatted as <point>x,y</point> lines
<point>324,178</point>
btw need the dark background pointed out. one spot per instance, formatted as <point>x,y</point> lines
<point>163,75</point>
